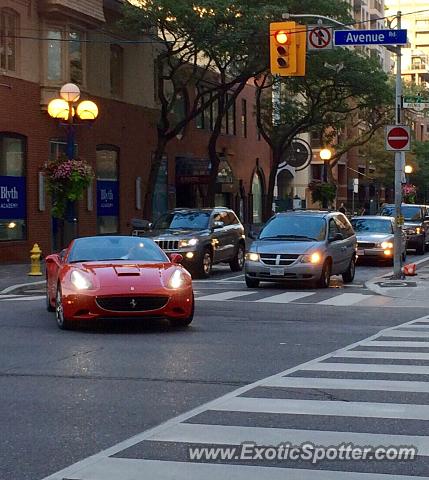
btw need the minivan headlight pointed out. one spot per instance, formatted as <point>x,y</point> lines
<point>253,257</point>
<point>80,281</point>
<point>386,245</point>
<point>314,258</point>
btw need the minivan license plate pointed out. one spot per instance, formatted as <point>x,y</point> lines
<point>277,272</point>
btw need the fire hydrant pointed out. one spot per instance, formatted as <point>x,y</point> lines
<point>36,254</point>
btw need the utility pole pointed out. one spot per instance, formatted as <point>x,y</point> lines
<point>397,261</point>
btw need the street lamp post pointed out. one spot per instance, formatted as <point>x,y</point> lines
<point>68,110</point>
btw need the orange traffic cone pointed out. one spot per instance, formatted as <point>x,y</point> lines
<point>410,269</point>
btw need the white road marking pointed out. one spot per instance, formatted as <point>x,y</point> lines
<point>23,298</point>
<point>131,469</point>
<point>325,407</point>
<point>286,297</point>
<point>368,368</point>
<point>234,435</point>
<point>408,334</point>
<point>393,343</point>
<point>345,299</point>
<point>348,384</point>
<point>385,355</point>
<point>219,297</point>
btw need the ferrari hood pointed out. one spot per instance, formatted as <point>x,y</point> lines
<point>108,274</point>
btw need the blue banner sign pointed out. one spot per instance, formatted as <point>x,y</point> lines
<point>370,37</point>
<point>107,198</point>
<point>12,198</point>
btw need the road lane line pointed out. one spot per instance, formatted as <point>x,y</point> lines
<point>393,343</point>
<point>368,368</point>
<point>283,406</point>
<point>218,297</point>
<point>236,435</point>
<point>286,297</point>
<point>345,299</point>
<point>348,384</point>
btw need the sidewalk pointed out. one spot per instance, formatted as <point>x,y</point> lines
<point>411,288</point>
<point>16,274</point>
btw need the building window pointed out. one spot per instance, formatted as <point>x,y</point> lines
<point>65,55</point>
<point>116,70</point>
<point>257,199</point>
<point>316,171</point>
<point>230,114</point>
<point>8,39</point>
<point>55,55</point>
<point>75,57</point>
<point>13,206</point>
<point>58,149</point>
<point>107,189</point>
<point>244,118</point>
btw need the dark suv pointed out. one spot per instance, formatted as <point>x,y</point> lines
<point>416,224</point>
<point>202,236</point>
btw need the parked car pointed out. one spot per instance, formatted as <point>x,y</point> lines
<point>375,237</point>
<point>204,237</point>
<point>117,277</point>
<point>416,225</point>
<point>302,245</point>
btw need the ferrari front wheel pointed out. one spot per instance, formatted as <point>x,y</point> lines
<point>184,322</point>
<point>62,322</point>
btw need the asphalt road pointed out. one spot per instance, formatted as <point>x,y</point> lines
<point>68,395</point>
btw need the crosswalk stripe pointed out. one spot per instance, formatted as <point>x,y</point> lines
<point>344,299</point>
<point>286,297</point>
<point>326,407</point>
<point>348,384</point>
<point>385,355</point>
<point>23,299</point>
<point>128,469</point>
<point>406,333</point>
<point>417,327</point>
<point>234,435</point>
<point>367,368</point>
<point>394,343</point>
<point>225,295</point>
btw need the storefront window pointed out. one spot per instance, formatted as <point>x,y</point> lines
<point>12,187</point>
<point>107,190</point>
<point>257,198</point>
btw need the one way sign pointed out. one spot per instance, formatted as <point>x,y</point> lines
<point>319,37</point>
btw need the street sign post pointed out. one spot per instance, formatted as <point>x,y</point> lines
<point>370,37</point>
<point>398,138</point>
<point>319,38</point>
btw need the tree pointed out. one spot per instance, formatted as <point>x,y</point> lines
<point>342,87</point>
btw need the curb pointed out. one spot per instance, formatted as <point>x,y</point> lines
<point>370,284</point>
<point>21,285</point>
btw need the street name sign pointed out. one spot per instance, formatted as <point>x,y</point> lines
<point>370,37</point>
<point>398,138</point>
<point>416,102</point>
<point>319,38</point>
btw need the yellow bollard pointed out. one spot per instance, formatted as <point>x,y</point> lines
<point>36,253</point>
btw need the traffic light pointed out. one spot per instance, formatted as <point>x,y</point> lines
<point>288,44</point>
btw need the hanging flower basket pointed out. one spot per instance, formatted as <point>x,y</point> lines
<point>67,181</point>
<point>409,192</point>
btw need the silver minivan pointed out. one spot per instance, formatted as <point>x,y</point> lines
<point>302,246</point>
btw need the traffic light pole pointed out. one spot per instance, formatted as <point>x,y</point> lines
<point>397,259</point>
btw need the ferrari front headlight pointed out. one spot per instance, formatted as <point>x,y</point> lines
<point>80,281</point>
<point>176,280</point>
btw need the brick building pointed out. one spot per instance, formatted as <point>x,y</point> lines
<point>46,43</point>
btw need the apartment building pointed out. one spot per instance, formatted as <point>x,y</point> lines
<point>47,43</point>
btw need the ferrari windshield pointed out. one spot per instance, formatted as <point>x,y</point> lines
<point>372,225</point>
<point>192,220</point>
<point>97,249</point>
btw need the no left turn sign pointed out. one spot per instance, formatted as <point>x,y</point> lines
<point>398,138</point>
<point>319,38</point>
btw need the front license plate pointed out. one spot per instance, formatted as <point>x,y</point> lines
<point>277,272</point>
<point>361,252</point>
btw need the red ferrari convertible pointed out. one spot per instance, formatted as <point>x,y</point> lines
<point>117,277</point>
